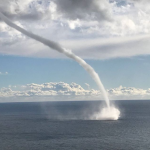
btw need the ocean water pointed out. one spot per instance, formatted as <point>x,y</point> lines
<point>65,126</point>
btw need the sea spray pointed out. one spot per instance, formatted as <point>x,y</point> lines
<point>66,52</point>
<point>106,113</point>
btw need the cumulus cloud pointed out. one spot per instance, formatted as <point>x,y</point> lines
<point>139,1</point>
<point>129,93</point>
<point>73,91</point>
<point>48,90</point>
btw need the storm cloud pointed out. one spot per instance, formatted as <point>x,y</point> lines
<point>84,9</point>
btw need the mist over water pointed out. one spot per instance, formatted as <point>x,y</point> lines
<point>110,113</point>
<point>81,110</point>
<point>107,113</point>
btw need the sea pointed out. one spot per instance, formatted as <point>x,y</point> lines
<point>65,126</point>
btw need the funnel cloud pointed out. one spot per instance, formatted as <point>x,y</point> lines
<point>64,51</point>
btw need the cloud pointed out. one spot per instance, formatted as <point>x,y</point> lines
<point>24,10</point>
<point>84,9</point>
<point>78,28</point>
<point>109,48</point>
<point>3,73</point>
<point>73,91</point>
<point>37,10</point>
<point>47,89</point>
<point>139,1</point>
<point>129,93</point>
<point>87,86</point>
<point>99,48</point>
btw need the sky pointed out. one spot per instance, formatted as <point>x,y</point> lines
<point>112,36</point>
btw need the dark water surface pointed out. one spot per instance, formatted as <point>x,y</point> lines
<point>63,126</point>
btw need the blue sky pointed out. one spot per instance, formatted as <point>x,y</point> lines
<point>112,36</point>
<point>129,72</point>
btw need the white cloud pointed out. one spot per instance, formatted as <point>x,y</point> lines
<point>73,91</point>
<point>47,89</point>
<point>106,48</point>
<point>125,36</point>
<point>25,10</point>
<point>87,86</point>
<point>74,23</point>
<point>3,73</point>
<point>128,93</point>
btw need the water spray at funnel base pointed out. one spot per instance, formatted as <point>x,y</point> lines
<point>69,54</point>
<point>106,113</point>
